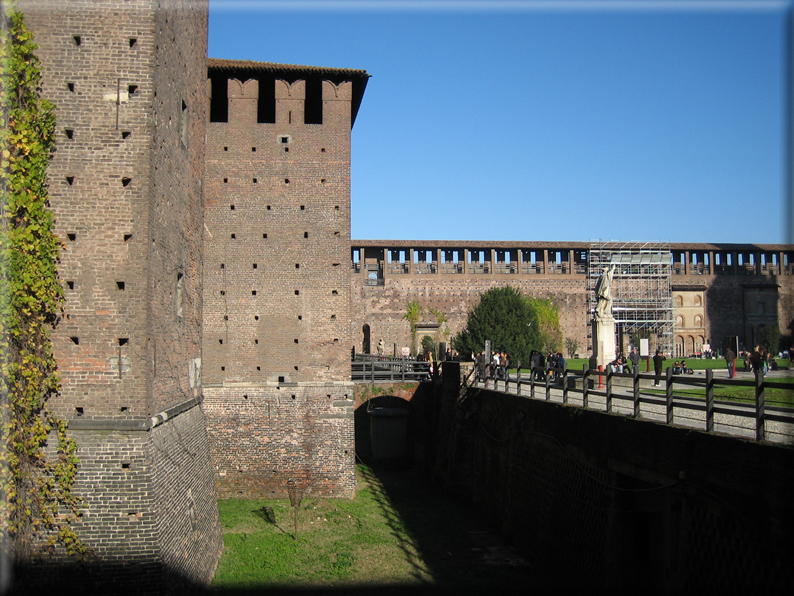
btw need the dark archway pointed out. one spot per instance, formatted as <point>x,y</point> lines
<point>365,345</point>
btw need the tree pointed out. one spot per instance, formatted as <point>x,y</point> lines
<point>412,312</point>
<point>507,318</point>
<point>769,338</point>
<point>571,345</point>
<point>37,504</point>
<point>549,322</point>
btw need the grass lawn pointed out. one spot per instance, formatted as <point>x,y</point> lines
<point>397,533</point>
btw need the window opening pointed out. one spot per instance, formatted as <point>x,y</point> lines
<point>313,105</point>
<point>219,98</point>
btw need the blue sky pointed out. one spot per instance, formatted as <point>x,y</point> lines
<point>549,121</point>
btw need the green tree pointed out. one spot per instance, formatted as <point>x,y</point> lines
<point>412,313</point>
<point>549,321</point>
<point>571,345</point>
<point>769,338</point>
<point>429,345</point>
<point>37,504</point>
<point>507,318</point>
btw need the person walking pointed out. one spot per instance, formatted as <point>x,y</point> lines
<point>634,356</point>
<point>730,359</point>
<point>658,362</point>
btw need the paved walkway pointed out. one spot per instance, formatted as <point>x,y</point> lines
<point>733,418</point>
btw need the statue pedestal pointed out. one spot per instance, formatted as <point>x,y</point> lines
<point>604,349</point>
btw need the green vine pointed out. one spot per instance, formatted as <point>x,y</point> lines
<point>38,506</point>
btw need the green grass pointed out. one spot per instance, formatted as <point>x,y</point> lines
<point>693,363</point>
<point>337,540</point>
<point>397,532</point>
<point>778,397</point>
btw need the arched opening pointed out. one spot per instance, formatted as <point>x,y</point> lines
<point>365,344</point>
<point>382,428</point>
<point>679,346</point>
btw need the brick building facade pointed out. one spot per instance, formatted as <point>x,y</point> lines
<point>211,308</point>
<point>717,291</point>
<point>128,80</point>
<point>276,277</point>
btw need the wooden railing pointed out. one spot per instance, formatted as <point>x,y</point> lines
<point>623,393</point>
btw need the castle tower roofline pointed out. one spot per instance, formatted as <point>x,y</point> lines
<point>292,72</point>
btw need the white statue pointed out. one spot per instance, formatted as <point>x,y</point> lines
<point>381,347</point>
<point>603,292</point>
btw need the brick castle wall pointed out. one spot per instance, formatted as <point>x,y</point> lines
<point>276,290</point>
<point>129,84</point>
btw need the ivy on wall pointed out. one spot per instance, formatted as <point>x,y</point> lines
<point>38,506</point>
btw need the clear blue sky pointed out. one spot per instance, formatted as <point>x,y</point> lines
<point>648,120</point>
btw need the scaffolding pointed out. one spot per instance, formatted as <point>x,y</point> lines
<point>642,299</point>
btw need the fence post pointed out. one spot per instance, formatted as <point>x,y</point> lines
<point>585,385</point>
<point>548,384</point>
<point>565,383</point>
<point>669,394</point>
<point>709,400</point>
<point>373,371</point>
<point>760,406</point>
<point>532,382</point>
<point>402,369</point>
<point>636,387</point>
<point>609,389</point>
<point>518,381</point>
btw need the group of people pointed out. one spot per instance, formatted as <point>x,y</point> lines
<point>495,369</point>
<point>550,363</point>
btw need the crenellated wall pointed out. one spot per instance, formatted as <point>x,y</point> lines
<point>276,278</point>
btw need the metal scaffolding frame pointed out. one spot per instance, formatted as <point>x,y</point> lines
<point>641,290</point>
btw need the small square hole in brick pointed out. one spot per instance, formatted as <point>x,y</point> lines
<point>225,148</point>
<point>126,181</point>
<point>253,292</point>
<point>69,133</point>
<point>70,180</point>
<point>297,292</point>
<point>220,341</point>
<point>231,207</point>
<point>225,180</point>
<point>79,411</point>
<point>223,368</point>
<point>71,236</point>
<point>256,342</point>
<point>223,293</point>
<point>223,266</point>
<point>225,317</point>
<point>268,207</point>
<point>233,236</point>
<point>253,149</point>
<point>132,89</point>
<point>127,237</point>
<point>124,409</point>
<point>264,236</point>
<point>133,41</point>
<point>300,317</point>
<point>123,341</point>
<point>78,41</point>
<point>258,368</point>
<point>256,317</point>
<point>70,87</point>
<point>303,207</point>
<point>255,181</point>
<point>297,265</point>
<point>254,265</point>
<point>125,466</point>
<point>125,134</point>
<point>120,285</point>
<point>306,234</point>
<point>281,379</point>
<point>70,285</point>
<point>75,340</point>
<point>295,340</point>
<point>296,368</point>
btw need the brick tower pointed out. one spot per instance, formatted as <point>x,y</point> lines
<point>128,80</point>
<point>276,331</point>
